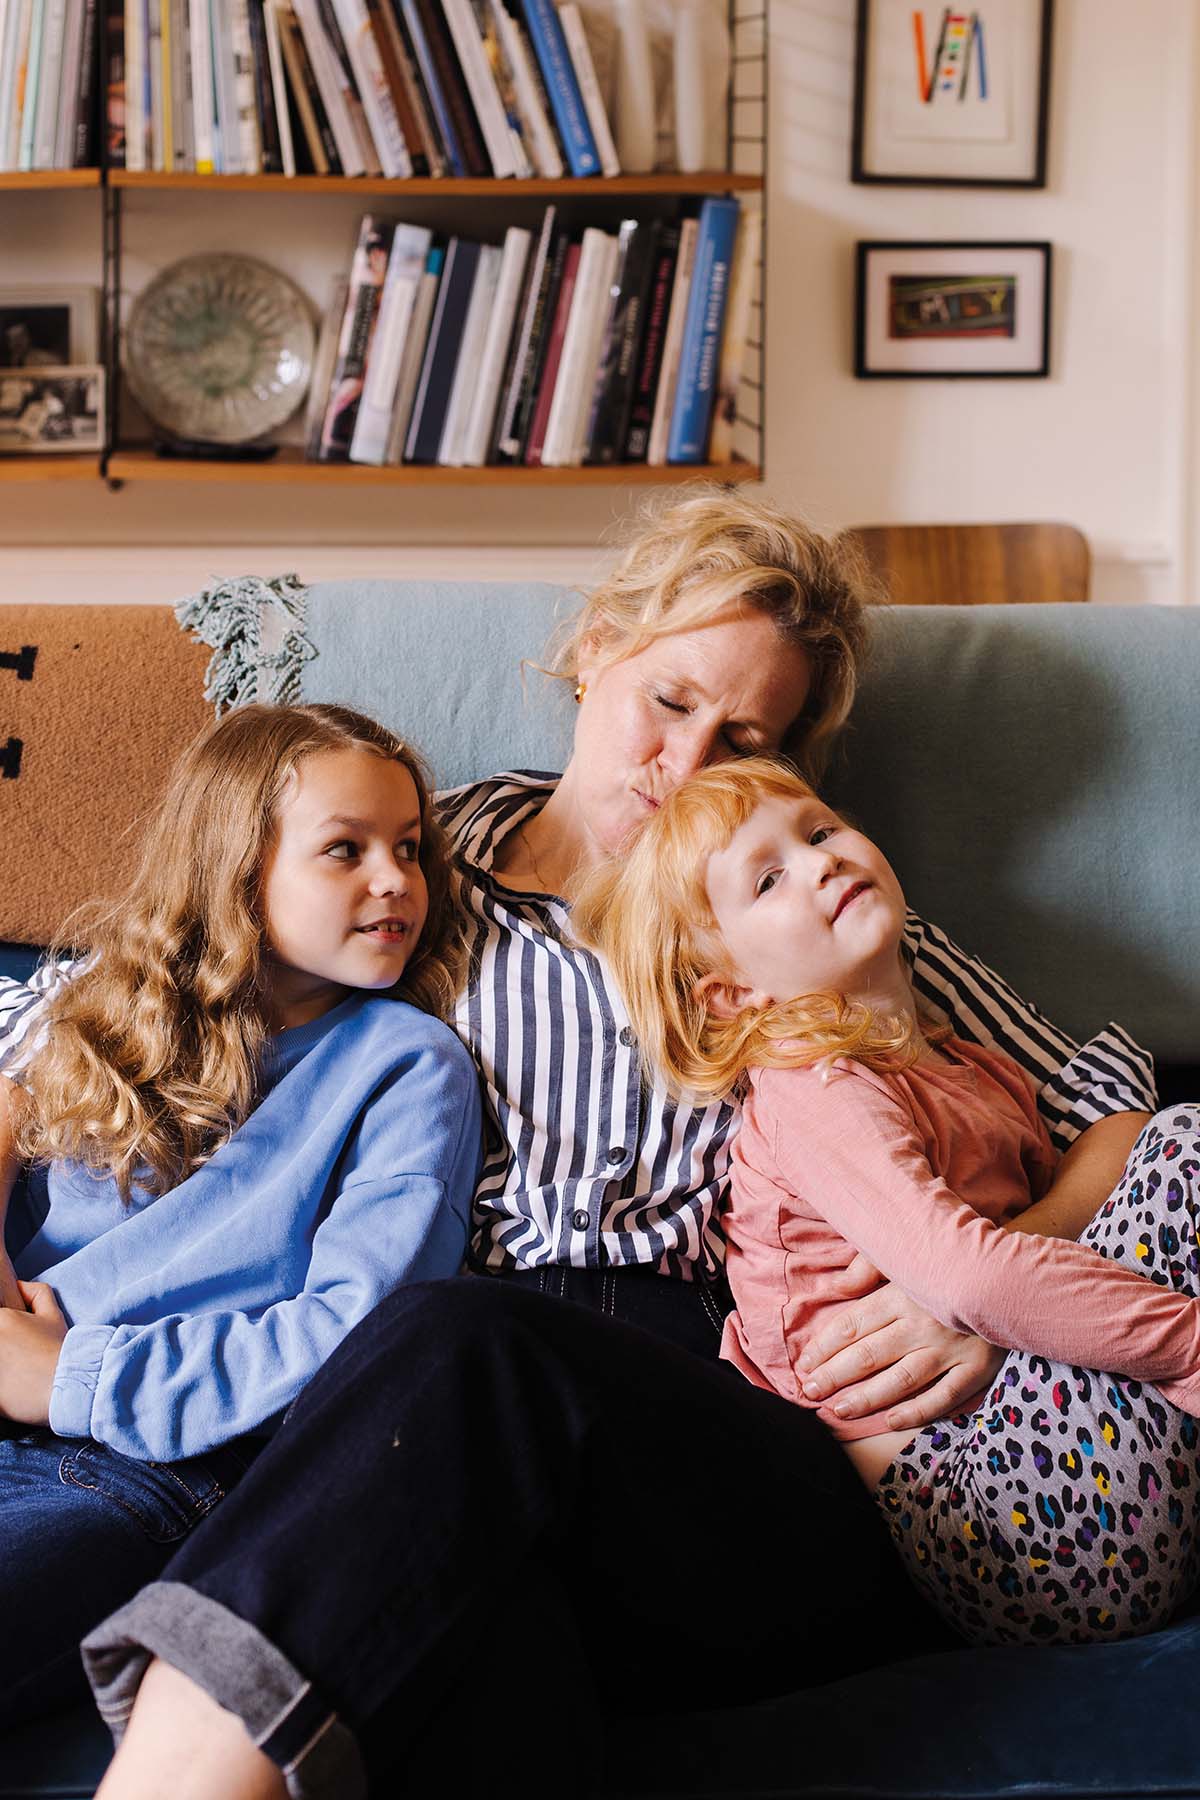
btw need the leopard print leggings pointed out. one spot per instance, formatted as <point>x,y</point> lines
<point>1068,1508</point>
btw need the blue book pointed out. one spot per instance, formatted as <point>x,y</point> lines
<point>433,87</point>
<point>562,89</point>
<point>700,351</point>
<point>441,351</point>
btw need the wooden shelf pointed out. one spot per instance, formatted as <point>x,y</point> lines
<point>49,178</point>
<point>69,466</point>
<point>710,182</point>
<point>289,468</point>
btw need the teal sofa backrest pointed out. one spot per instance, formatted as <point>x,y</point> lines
<point>1032,771</point>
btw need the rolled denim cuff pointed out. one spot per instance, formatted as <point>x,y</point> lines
<point>237,1667</point>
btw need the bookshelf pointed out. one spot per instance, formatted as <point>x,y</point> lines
<point>449,204</point>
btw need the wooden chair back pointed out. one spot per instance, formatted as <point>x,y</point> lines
<point>980,565</point>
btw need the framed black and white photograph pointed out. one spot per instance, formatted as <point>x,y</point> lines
<point>952,309</point>
<point>47,327</point>
<point>952,97</point>
<point>44,410</point>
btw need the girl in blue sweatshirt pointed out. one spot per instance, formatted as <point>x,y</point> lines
<point>244,1126</point>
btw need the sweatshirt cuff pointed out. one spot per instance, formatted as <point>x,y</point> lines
<point>76,1379</point>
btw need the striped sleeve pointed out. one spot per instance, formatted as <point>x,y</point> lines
<point>1076,1084</point>
<point>23,1010</point>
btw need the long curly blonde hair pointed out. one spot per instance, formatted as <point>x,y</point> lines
<point>152,1055</point>
<point>689,562</point>
<point>647,913</point>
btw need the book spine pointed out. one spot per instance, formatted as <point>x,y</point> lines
<point>585,74</point>
<point>344,71</point>
<point>85,94</point>
<point>486,397</point>
<point>113,120</point>
<point>496,61</point>
<point>598,312</point>
<point>468,361</point>
<point>431,75</point>
<point>225,133</point>
<point>692,414</point>
<point>454,88</point>
<point>322,62</point>
<point>601,399</point>
<point>45,130</point>
<point>505,443</point>
<point>167,77</point>
<point>283,119</point>
<point>480,86</point>
<point>249,147</point>
<point>354,344</point>
<point>310,112</point>
<point>413,359</point>
<point>668,381</point>
<point>558,73</point>
<point>606,439</point>
<point>204,104</point>
<point>641,415</point>
<point>535,362</point>
<point>323,361</point>
<point>576,370</point>
<point>733,344</point>
<point>20,80</point>
<point>420,103</point>
<point>156,153</point>
<point>406,266</point>
<point>33,69</point>
<point>391,55</point>
<point>530,94</point>
<point>548,377</point>
<point>8,73</point>
<point>68,85</point>
<point>441,355</point>
<point>264,92</point>
<point>370,78</point>
<point>186,99</point>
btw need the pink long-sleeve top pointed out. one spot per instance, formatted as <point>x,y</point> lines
<point>920,1171</point>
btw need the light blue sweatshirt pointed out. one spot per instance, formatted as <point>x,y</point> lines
<point>200,1315</point>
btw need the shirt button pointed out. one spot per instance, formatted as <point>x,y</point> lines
<point>617,1153</point>
<point>626,1037</point>
<point>581,1220</point>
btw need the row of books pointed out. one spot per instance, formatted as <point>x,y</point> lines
<point>356,87</point>
<point>48,58</point>
<point>553,349</point>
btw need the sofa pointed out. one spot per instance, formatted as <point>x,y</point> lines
<point>1034,774</point>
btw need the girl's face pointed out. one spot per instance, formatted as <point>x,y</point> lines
<point>344,897</point>
<point>651,720</point>
<point>805,905</point>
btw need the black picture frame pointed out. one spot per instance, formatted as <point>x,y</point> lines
<point>860,173</point>
<point>954,249</point>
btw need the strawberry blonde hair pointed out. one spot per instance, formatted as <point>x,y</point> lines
<point>688,563</point>
<point>647,913</point>
<point>153,1053</point>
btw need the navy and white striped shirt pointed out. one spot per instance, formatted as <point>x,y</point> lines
<point>584,1163</point>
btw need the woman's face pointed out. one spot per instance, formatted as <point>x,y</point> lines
<point>649,721</point>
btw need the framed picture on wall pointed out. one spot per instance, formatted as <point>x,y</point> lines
<point>952,309</point>
<point>952,97</point>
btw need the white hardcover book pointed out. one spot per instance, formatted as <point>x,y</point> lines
<point>543,146</point>
<point>248,140</point>
<point>45,129</point>
<point>9,10</point>
<point>287,150</point>
<point>33,67</point>
<point>598,319</point>
<point>482,88</point>
<point>229,155</point>
<point>156,157</point>
<point>204,104</point>
<point>470,356</point>
<point>373,89</point>
<point>186,99</point>
<point>24,27</point>
<point>737,325</point>
<point>180,85</point>
<point>500,325</point>
<point>329,82</point>
<point>410,365</point>
<point>135,62</point>
<point>406,266</point>
<point>581,347</point>
<point>68,87</point>
<point>668,380</point>
<point>571,20</point>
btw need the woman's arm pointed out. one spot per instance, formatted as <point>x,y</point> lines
<point>10,1293</point>
<point>1084,1178</point>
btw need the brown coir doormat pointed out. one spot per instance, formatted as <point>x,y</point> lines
<point>96,702</point>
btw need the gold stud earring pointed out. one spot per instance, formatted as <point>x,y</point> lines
<point>580,691</point>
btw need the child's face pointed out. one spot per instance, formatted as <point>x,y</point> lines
<point>806,905</point>
<point>344,896</point>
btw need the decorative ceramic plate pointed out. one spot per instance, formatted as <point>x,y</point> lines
<point>219,349</point>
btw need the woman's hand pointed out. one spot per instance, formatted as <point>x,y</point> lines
<point>10,1287</point>
<point>884,1351</point>
<point>29,1347</point>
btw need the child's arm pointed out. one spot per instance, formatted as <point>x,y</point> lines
<point>201,1376</point>
<point>10,1293</point>
<point>851,1149</point>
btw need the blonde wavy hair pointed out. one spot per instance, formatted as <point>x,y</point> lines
<point>647,913</point>
<point>689,562</point>
<point>153,1052</point>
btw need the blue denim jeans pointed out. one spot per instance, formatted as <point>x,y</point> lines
<point>81,1529</point>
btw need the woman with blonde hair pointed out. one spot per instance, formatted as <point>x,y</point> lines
<point>244,1126</point>
<point>540,1460</point>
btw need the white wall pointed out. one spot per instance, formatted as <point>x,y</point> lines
<point>1106,442</point>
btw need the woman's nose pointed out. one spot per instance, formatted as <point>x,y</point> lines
<point>690,747</point>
